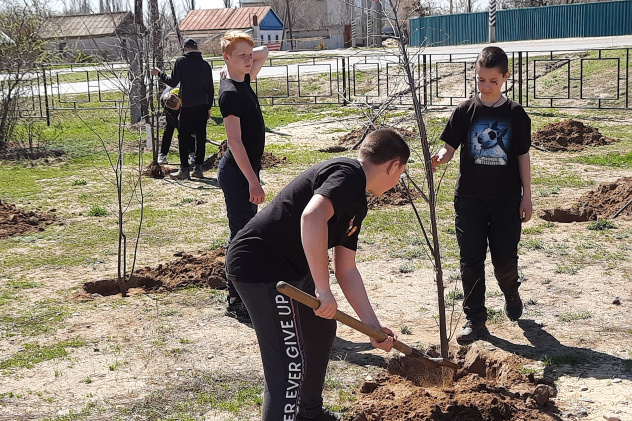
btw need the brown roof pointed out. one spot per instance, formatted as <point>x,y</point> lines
<point>78,26</point>
<point>213,19</point>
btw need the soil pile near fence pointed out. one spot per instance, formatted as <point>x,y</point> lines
<point>268,160</point>
<point>15,221</point>
<point>610,200</point>
<point>489,388</point>
<point>568,135</point>
<point>397,196</point>
<point>353,137</point>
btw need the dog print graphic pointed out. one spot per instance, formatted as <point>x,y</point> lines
<point>490,147</point>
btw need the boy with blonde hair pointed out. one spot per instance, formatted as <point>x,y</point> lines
<point>238,171</point>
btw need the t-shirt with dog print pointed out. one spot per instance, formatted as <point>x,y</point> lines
<point>491,139</point>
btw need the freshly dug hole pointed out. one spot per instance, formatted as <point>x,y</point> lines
<point>488,388</point>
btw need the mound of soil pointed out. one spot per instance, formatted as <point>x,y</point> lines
<point>568,135</point>
<point>268,160</point>
<point>205,270</point>
<point>488,388</point>
<point>15,221</point>
<point>354,136</point>
<point>397,196</point>
<point>608,201</point>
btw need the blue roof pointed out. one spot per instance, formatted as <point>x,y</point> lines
<point>271,22</point>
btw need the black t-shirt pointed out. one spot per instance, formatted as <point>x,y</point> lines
<point>491,139</point>
<point>238,99</point>
<point>269,247</point>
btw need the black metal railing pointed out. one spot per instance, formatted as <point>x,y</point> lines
<point>593,79</point>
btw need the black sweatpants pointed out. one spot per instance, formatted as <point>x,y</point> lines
<point>479,222</point>
<point>295,346</point>
<point>239,209</point>
<point>172,123</point>
<point>192,122</point>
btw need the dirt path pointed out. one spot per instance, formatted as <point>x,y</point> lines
<point>142,351</point>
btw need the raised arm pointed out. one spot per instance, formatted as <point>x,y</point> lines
<point>259,57</point>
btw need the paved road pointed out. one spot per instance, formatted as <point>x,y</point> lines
<point>325,62</point>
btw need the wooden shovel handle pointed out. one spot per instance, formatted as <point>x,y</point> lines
<point>352,322</point>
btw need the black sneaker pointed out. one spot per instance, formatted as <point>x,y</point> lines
<point>470,332</point>
<point>513,306</point>
<point>326,415</point>
<point>237,310</point>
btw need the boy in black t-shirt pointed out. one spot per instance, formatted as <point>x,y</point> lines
<point>288,241</point>
<point>493,190</point>
<point>238,170</point>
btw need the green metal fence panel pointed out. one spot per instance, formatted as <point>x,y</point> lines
<point>463,28</point>
<point>562,21</point>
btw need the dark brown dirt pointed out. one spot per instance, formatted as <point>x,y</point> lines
<point>568,135</point>
<point>267,161</point>
<point>489,388</point>
<point>160,171</point>
<point>354,136</point>
<point>608,200</point>
<point>15,221</point>
<point>205,269</point>
<point>397,196</point>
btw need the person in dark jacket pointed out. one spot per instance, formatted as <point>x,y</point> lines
<point>195,77</point>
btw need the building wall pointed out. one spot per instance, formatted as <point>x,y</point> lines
<point>102,48</point>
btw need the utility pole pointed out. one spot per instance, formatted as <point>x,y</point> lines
<point>492,20</point>
<point>288,17</point>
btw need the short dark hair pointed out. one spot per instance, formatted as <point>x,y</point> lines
<point>384,145</point>
<point>190,44</point>
<point>491,57</point>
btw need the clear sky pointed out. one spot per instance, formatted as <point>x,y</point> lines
<point>209,4</point>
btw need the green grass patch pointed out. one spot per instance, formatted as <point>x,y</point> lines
<point>97,210</point>
<point>33,353</point>
<point>495,316</point>
<point>572,359</point>
<point>609,159</point>
<point>452,296</point>
<point>568,269</point>
<point>571,317</point>
<point>601,225</point>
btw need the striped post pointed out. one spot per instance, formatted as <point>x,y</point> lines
<point>492,20</point>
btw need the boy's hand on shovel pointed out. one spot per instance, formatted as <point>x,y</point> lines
<point>386,344</point>
<point>328,304</point>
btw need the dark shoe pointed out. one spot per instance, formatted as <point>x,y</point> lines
<point>326,415</point>
<point>513,306</point>
<point>237,310</point>
<point>197,172</point>
<point>181,174</point>
<point>470,332</point>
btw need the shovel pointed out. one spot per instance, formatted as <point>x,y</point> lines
<point>356,324</point>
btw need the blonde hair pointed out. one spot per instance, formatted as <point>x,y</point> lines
<point>171,100</point>
<point>230,39</point>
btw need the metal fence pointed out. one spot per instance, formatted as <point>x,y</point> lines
<point>542,22</point>
<point>595,79</point>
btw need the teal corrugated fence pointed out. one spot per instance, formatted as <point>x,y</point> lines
<point>563,21</point>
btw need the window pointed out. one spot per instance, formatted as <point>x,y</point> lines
<point>276,37</point>
<point>269,38</point>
